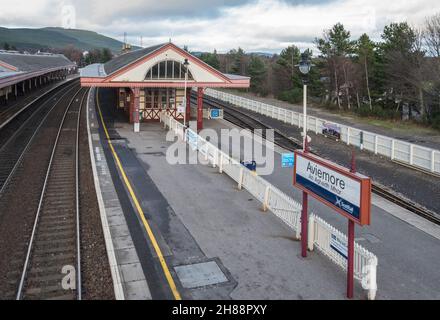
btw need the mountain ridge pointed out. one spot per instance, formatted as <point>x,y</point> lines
<point>57,38</point>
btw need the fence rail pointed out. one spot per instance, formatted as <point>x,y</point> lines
<point>322,235</point>
<point>410,154</point>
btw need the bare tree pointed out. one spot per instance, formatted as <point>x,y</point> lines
<point>431,35</point>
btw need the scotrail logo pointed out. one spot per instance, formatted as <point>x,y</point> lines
<point>344,206</point>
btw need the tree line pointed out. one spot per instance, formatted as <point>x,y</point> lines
<point>397,77</point>
<point>97,55</point>
<point>85,58</point>
<point>7,46</point>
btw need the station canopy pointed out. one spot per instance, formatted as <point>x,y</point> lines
<point>16,67</point>
<point>159,66</point>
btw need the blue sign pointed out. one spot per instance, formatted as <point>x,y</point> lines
<point>191,137</point>
<point>339,245</point>
<point>338,189</point>
<point>215,113</point>
<point>287,160</point>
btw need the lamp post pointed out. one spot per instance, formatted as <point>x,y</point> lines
<point>186,64</point>
<point>304,67</point>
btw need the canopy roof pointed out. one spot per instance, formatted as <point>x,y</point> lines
<point>131,70</point>
<point>16,67</point>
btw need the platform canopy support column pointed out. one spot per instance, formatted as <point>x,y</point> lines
<point>136,105</point>
<point>188,105</point>
<point>129,101</point>
<point>200,108</point>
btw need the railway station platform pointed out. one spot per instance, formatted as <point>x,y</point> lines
<point>195,235</point>
<point>22,72</point>
<point>406,245</point>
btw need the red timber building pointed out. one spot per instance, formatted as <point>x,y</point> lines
<point>152,79</point>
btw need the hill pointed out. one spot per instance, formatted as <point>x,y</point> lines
<point>56,38</point>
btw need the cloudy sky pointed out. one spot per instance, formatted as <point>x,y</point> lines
<point>254,25</point>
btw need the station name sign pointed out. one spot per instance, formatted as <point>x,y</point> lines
<point>348,193</point>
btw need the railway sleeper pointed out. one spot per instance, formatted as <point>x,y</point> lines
<point>47,291</point>
<point>58,235</point>
<point>44,259</point>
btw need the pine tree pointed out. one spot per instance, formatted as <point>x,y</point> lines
<point>336,47</point>
<point>366,57</point>
<point>257,72</point>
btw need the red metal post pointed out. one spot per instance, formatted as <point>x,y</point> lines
<point>306,145</point>
<point>188,105</point>
<point>353,161</point>
<point>131,107</point>
<point>136,106</point>
<point>199,109</point>
<point>350,244</point>
<point>304,225</point>
<point>304,213</point>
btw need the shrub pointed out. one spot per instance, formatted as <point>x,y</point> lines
<point>294,95</point>
<point>435,121</point>
<point>378,112</point>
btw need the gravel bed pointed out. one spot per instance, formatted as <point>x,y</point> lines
<point>96,275</point>
<point>19,202</point>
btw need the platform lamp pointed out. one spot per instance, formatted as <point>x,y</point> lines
<point>186,64</point>
<point>304,67</point>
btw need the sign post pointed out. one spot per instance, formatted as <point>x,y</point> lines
<point>305,208</point>
<point>350,244</point>
<point>345,191</point>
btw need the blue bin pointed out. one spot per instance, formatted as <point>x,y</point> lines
<point>251,165</point>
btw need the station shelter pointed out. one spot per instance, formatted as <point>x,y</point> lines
<point>22,72</point>
<point>152,79</point>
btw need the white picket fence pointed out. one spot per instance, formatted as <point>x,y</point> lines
<point>321,234</point>
<point>410,154</point>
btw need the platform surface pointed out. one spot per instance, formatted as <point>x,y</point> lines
<point>199,216</point>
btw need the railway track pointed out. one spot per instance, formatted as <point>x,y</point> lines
<point>52,269</point>
<point>12,119</point>
<point>17,136</point>
<point>245,121</point>
<point>21,105</point>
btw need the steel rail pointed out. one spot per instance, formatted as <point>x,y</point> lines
<point>43,191</point>
<point>78,229</point>
<point>35,100</point>
<point>17,163</point>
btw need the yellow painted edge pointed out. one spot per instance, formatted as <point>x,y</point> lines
<point>150,233</point>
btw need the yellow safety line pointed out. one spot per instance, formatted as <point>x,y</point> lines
<point>140,211</point>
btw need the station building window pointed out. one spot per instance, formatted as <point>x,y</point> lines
<point>168,70</point>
